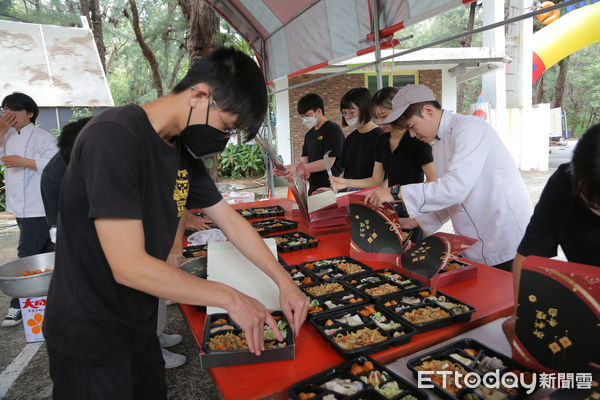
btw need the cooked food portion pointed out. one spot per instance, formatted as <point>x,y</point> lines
<point>425,314</point>
<point>324,289</point>
<point>346,387</point>
<point>228,341</point>
<point>37,271</point>
<point>350,268</point>
<point>381,290</point>
<point>444,365</point>
<point>360,338</point>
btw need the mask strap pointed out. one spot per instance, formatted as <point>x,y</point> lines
<point>208,108</point>
<point>189,116</point>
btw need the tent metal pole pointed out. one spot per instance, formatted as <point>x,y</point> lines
<point>375,8</point>
<point>270,186</point>
<point>438,42</point>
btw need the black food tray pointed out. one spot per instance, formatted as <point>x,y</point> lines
<point>338,301</point>
<point>300,275</point>
<point>408,283</point>
<point>338,268</point>
<point>314,383</point>
<point>215,358</point>
<point>429,296</point>
<point>246,212</point>
<point>476,362</point>
<point>374,316</point>
<point>430,325</point>
<point>196,251</point>
<point>264,227</point>
<point>263,212</point>
<point>294,241</point>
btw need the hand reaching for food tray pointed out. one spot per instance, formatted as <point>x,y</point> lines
<point>252,316</point>
<point>379,196</point>
<point>294,305</point>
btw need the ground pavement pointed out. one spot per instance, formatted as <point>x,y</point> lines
<point>24,367</point>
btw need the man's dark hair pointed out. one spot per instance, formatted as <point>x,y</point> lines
<point>311,101</point>
<point>67,137</point>
<point>362,98</point>
<point>237,83</point>
<point>585,167</point>
<point>20,101</point>
<point>417,109</point>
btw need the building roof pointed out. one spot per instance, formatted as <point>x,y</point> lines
<point>57,66</point>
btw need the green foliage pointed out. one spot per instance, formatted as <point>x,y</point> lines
<point>78,112</point>
<point>241,160</point>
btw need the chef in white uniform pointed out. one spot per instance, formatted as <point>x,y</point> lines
<point>479,187</point>
<point>24,151</point>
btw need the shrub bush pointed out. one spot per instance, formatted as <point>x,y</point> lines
<point>241,160</point>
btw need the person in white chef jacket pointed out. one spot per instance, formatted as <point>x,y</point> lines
<point>24,151</point>
<point>479,187</point>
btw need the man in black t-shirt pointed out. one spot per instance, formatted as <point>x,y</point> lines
<point>133,171</point>
<point>567,214</point>
<point>323,135</point>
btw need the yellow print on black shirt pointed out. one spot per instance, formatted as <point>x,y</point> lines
<point>180,192</point>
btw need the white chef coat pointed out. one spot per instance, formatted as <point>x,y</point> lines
<point>478,187</point>
<point>23,194</point>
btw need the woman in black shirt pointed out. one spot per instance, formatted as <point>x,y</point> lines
<point>358,156</point>
<point>398,156</point>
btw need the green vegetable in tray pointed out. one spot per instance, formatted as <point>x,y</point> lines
<point>408,397</point>
<point>389,389</point>
<point>268,333</point>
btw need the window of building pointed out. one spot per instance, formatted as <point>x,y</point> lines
<point>400,79</point>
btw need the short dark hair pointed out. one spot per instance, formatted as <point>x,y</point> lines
<point>384,98</point>
<point>362,98</point>
<point>18,100</point>
<point>311,101</point>
<point>417,109</point>
<point>237,83</point>
<point>585,167</point>
<point>67,137</point>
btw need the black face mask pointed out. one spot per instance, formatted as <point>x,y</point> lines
<point>203,140</point>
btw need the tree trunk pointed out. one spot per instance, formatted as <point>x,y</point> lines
<point>135,22</point>
<point>201,39</point>
<point>96,23</point>
<point>466,42</point>
<point>202,28</point>
<point>538,92</point>
<point>561,80</point>
<point>575,115</point>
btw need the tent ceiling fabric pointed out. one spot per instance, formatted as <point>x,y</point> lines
<point>294,36</point>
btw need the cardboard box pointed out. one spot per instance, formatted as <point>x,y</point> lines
<point>429,260</point>
<point>558,312</point>
<point>32,310</point>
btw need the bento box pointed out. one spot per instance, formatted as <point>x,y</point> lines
<point>295,241</point>
<point>382,283</point>
<point>558,316</point>
<point>434,261</point>
<point>246,212</point>
<point>196,251</point>
<point>264,227</point>
<point>402,303</point>
<point>336,268</point>
<point>359,378</point>
<point>376,234</point>
<point>363,329</point>
<point>331,296</point>
<point>468,356</point>
<point>263,212</point>
<point>301,276</point>
<point>224,343</point>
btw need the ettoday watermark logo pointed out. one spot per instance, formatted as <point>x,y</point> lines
<point>526,382</point>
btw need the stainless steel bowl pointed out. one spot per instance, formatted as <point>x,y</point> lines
<point>26,286</point>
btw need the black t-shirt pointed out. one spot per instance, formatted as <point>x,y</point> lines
<point>52,176</point>
<point>560,218</point>
<point>404,165</point>
<point>358,157</point>
<point>119,168</point>
<point>316,143</point>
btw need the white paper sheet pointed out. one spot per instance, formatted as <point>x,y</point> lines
<point>228,266</point>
